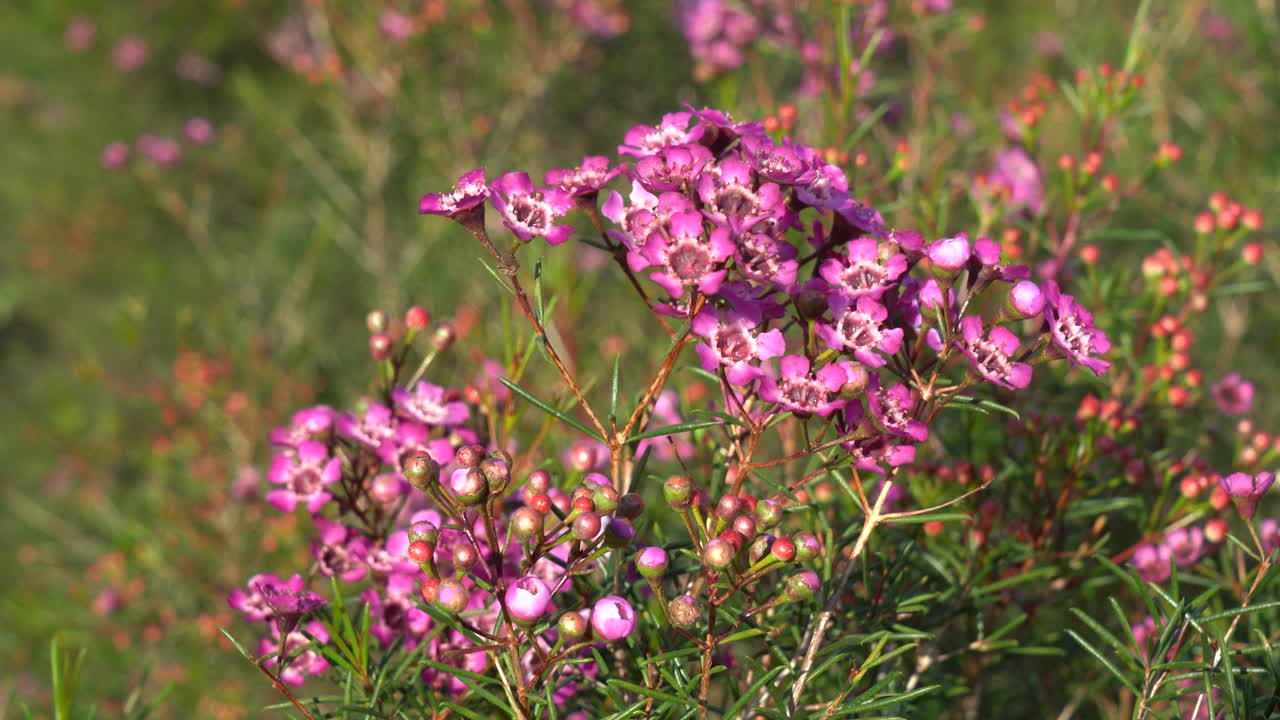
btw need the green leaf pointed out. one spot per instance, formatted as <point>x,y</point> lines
<point>1241,611</point>
<point>1110,666</point>
<point>675,429</point>
<point>649,693</point>
<point>550,410</point>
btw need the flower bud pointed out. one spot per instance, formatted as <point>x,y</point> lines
<point>745,525</point>
<point>376,321</point>
<point>572,626</point>
<point>931,295</point>
<point>630,506</point>
<point>424,531</point>
<point>417,318</point>
<point>728,507</point>
<point>443,337</point>
<point>469,455</point>
<point>430,589</point>
<point>496,474</point>
<point>768,514</point>
<point>586,526</point>
<point>421,471</point>
<point>539,481</point>
<point>759,548</point>
<point>526,523</point>
<point>807,545</point>
<point>420,551</point>
<point>684,611</point>
<point>605,498</point>
<point>469,486</point>
<point>540,503</point>
<point>784,549</point>
<point>801,586</point>
<point>950,253</point>
<point>464,556</point>
<point>718,554</point>
<point>618,533</point>
<point>651,563</point>
<point>452,595</point>
<point>380,347</point>
<point>678,490</point>
<point>734,538</point>
<point>1215,531</point>
<point>1026,299</point>
<point>810,303</point>
<point>582,502</point>
<point>527,600</point>
<point>613,618</point>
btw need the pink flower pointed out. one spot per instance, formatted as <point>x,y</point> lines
<point>307,424</point>
<point>585,180</point>
<point>892,407</point>
<point>80,34</point>
<point>613,618</point>
<point>1152,562</point>
<point>1233,394</point>
<point>129,54</point>
<point>115,155</point>
<point>643,140</point>
<point>427,404</point>
<point>468,193</point>
<point>734,344</point>
<point>805,393</point>
<point>1186,545</point>
<point>950,253</point>
<point>992,356</point>
<point>198,131</point>
<point>862,272</point>
<point>685,259</point>
<point>304,473</point>
<point>1071,328</point>
<point>253,602</point>
<point>376,427</point>
<point>395,613</point>
<point>531,213</point>
<point>300,663</point>
<point>527,599</point>
<point>858,327</point>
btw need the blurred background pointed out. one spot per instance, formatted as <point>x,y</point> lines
<point>199,203</point>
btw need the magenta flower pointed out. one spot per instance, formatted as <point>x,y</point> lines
<point>684,259</point>
<point>395,612</point>
<point>1233,394</point>
<point>729,196</point>
<point>252,601</point>
<point>1026,299</point>
<point>777,163</point>
<point>198,69</point>
<point>198,131</point>
<point>1269,532</point>
<point>375,427</point>
<point>584,180</point>
<point>872,454</point>
<point>395,25</point>
<point>643,140</point>
<point>1186,545</point>
<point>858,327</point>
<point>160,151</point>
<point>992,355</point>
<point>307,424</point>
<point>115,155</point>
<point>827,189</point>
<point>1018,174</point>
<point>950,253</point>
<point>297,663</point>
<point>765,259</point>
<point>733,344</point>
<point>892,407</point>
<point>468,193</point>
<point>672,169</point>
<point>80,34</point>
<point>862,272</point>
<point>340,551</point>
<point>531,213</point>
<point>304,473</point>
<point>428,405</point>
<point>647,214</point>
<point>613,618</point>
<point>129,54</point>
<point>805,393</point>
<point>527,599</point>
<point>1245,490</point>
<point>1071,328</point>
<point>1152,562</point>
